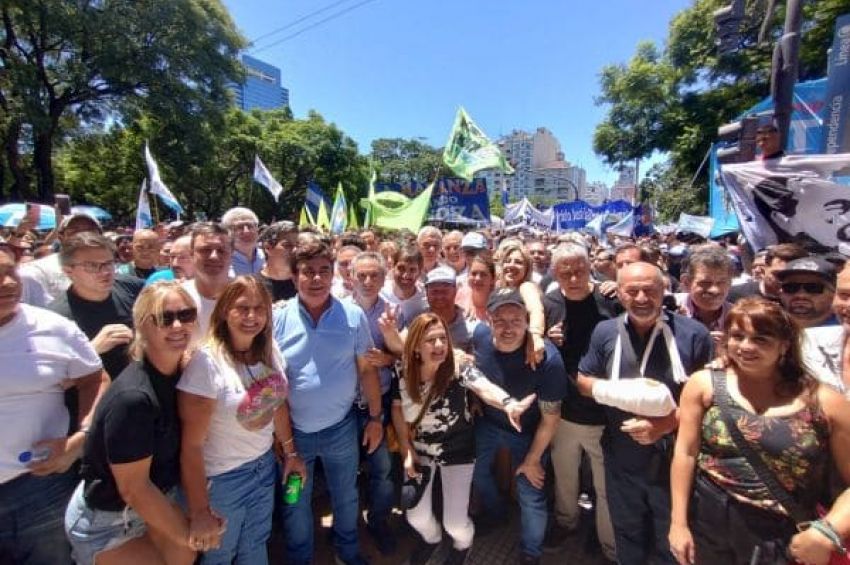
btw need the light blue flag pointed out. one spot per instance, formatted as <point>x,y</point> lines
<point>339,213</point>
<point>158,187</point>
<point>144,219</point>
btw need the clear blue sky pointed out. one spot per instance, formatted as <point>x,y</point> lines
<point>392,68</point>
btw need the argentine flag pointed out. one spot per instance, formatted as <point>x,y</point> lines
<point>158,187</point>
<point>143,210</point>
<point>265,178</point>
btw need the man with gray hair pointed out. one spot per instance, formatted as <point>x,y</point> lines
<point>430,242</point>
<point>368,273</point>
<point>573,310</point>
<point>244,226</point>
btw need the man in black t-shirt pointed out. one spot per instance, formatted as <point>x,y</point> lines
<point>500,355</point>
<point>572,312</point>
<point>100,302</point>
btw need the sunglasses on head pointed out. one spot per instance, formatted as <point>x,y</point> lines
<point>185,316</point>
<point>808,287</point>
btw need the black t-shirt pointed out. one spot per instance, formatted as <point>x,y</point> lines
<point>509,370</point>
<point>695,350</point>
<point>279,289</point>
<point>141,273</point>
<point>579,319</point>
<point>135,419</point>
<point>91,317</point>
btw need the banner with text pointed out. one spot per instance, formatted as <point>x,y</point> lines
<point>575,215</point>
<point>454,199</point>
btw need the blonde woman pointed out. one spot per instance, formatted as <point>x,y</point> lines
<point>124,511</point>
<point>515,270</point>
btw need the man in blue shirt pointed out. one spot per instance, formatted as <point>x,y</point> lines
<point>368,273</point>
<point>244,226</point>
<point>500,355</point>
<point>664,347</point>
<point>324,343</point>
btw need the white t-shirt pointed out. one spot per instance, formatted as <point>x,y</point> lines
<point>49,274</point>
<point>241,426</point>
<point>408,308</point>
<point>40,352</point>
<point>205,309</point>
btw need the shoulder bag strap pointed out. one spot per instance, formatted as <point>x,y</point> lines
<point>756,461</point>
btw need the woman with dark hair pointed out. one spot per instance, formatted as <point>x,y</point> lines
<point>480,282</point>
<point>232,403</point>
<point>278,241</point>
<point>756,438</point>
<point>434,429</point>
<point>124,511</point>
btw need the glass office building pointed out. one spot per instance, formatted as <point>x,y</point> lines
<point>261,88</point>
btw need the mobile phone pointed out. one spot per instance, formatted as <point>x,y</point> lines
<point>63,204</point>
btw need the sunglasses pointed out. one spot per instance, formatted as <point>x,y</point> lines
<point>185,316</point>
<point>809,287</point>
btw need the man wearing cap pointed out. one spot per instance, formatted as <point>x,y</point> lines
<point>471,245</point>
<point>807,287</point>
<point>500,354</point>
<point>47,271</point>
<point>663,348</point>
<point>244,226</point>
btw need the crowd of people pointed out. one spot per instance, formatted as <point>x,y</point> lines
<point>161,386</point>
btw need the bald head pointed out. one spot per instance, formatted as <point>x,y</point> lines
<point>145,249</point>
<point>640,288</point>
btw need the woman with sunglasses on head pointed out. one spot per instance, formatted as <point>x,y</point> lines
<point>124,511</point>
<point>432,421</point>
<point>232,404</point>
<point>757,435</point>
<point>515,270</point>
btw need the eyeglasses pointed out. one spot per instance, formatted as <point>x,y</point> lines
<point>239,226</point>
<point>185,316</point>
<point>94,267</point>
<point>809,287</point>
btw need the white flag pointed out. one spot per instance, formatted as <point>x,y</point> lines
<point>143,210</point>
<point>265,178</point>
<point>790,199</point>
<point>157,186</point>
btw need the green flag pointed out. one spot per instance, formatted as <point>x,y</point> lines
<point>393,210</point>
<point>352,217</point>
<point>468,149</point>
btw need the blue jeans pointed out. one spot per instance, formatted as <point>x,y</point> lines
<point>245,497</point>
<point>338,449</point>
<point>381,488</point>
<point>32,518</point>
<point>489,438</point>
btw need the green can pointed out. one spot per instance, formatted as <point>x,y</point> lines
<point>292,488</point>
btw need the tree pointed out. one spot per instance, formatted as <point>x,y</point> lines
<point>674,100</point>
<point>670,194</point>
<point>405,160</point>
<point>77,64</point>
<point>209,166</point>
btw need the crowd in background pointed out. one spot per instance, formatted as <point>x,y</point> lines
<point>159,386</point>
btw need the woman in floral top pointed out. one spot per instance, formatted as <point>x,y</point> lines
<point>796,426</point>
<point>432,421</point>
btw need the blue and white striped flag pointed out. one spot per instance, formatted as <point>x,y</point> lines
<point>315,196</point>
<point>143,210</point>
<point>157,186</point>
<point>265,178</point>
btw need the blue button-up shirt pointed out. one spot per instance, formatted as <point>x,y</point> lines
<point>321,360</point>
<point>242,265</point>
<point>385,374</point>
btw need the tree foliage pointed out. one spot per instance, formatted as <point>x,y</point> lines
<point>673,100</point>
<point>75,64</point>
<point>209,166</point>
<point>404,160</point>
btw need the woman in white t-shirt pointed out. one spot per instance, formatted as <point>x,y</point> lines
<point>232,404</point>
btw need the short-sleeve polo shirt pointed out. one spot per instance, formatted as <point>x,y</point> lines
<point>321,360</point>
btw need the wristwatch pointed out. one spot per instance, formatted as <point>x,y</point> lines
<point>379,418</point>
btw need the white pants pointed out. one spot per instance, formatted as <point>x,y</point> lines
<point>569,441</point>
<point>456,480</point>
